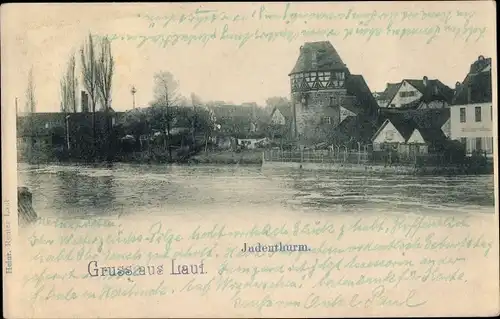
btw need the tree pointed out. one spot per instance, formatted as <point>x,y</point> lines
<point>104,73</point>
<point>165,91</point>
<point>276,101</point>
<point>104,77</point>
<point>89,73</point>
<point>30,106</point>
<point>69,84</point>
<point>196,102</point>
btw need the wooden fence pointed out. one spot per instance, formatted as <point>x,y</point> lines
<point>316,156</point>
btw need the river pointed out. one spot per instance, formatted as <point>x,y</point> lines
<point>83,192</point>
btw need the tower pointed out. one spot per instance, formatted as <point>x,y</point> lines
<point>318,87</point>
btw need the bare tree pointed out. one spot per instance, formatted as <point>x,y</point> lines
<point>166,95</point>
<point>64,95</point>
<point>72,84</point>
<point>104,73</point>
<point>30,106</point>
<point>89,73</point>
<point>196,102</point>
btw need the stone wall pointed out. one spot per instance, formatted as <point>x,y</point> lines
<point>311,124</point>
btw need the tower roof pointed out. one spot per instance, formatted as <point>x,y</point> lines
<point>318,56</point>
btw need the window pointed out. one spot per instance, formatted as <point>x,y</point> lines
<point>463,140</point>
<point>407,94</point>
<point>327,120</point>
<point>340,75</point>
<point>314,60</point>
<point>478,113</point>
<point>333,100</point>
<point>462,115</point>
<point>393,105</point>
<point>478,143</point>
<point>389,135</point>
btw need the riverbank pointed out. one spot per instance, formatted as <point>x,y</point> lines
<point>228,157</point>
<point>392,169</point>
<point>254,157</point>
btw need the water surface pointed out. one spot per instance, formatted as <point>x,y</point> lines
<point>123,189</point>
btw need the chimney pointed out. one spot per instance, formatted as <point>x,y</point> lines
<point>425,80</point>
<point>85,102</point>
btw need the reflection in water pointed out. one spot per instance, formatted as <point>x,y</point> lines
<point>157,189</point>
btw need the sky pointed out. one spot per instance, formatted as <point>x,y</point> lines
<point>43,36</point>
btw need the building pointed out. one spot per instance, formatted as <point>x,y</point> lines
<point>324,93</point>
<point>472,110</point>
<point>416,94</point>
<point>281,121</point>
<point>409,135</point>
<point>239,121</point>
<point>42,135</point>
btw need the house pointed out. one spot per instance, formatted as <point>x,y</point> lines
<point>427,118</point>
<point>406,138</point>
<point>382,98</point>
<point>39,134</point>
<point>472,109</point>
<point>281,121</point>
<point>417,94</point>
<point>252,143</point>
<point>239,121</point>
<point>324,93</point>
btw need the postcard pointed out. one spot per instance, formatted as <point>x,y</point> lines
<point>250,160</point>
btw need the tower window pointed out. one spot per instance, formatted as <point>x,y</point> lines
<point>333,100</point>
<point>314,60</point>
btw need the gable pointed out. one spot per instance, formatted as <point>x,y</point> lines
<point>277,117</point>
<point>405,87</point>
<point>446,128</point>
<point>344,113</point>
<point>388,134</point>
<point>416,138</point>
<point>487,69</point>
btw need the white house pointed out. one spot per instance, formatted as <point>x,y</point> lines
<point>388,136</point>
<point>277,117</point>
<point>407,135</point>
<point>417,94</point>
<point>471,115</point>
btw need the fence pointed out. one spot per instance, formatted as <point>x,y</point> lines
<point>316,156</point>
<point>363,157</point>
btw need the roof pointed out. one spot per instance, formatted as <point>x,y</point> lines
<point>364,102</point>
<point>285,110</point>
<point>434,90</point>
<point>327,58</point>
<point>428,122</point>
<point>432,135</point>
<point>429,118</point>
<point>479,65</point>
<point>479,82</point>
<point>389,92</point>
<point>358,128</point>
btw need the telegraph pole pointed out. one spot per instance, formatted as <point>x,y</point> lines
<point>168,125</point>
<point>133,91</point>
